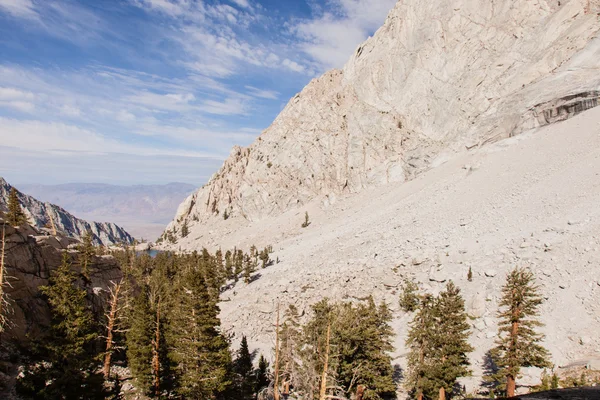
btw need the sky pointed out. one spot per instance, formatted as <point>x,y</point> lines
<point>157,91</point>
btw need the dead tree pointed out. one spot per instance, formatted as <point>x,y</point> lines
<point>276,385</point>
<point>2,293</point>
<point>360,392</point>
<point>323,391</point>
<point>156,352</point>
<point>116,293</point>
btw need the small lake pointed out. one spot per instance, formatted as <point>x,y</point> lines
<point>152,252</point>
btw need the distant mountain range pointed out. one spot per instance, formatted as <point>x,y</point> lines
<point>45,214</point>
<point>144,210</point>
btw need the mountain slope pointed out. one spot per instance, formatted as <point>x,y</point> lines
<point>143,210</point>
<point>532,200</point>
<point>39,214</point>
<point>435,80</point>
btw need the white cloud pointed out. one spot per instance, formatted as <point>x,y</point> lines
<point>70,111</point>
<point>292,65</point>
<point>331,38</point>
<point>19,8</point>
<point>265,94</point>
<point>242,3</point>
<point>125,116</point>
<point>7,93</point>
<point>22,106</point>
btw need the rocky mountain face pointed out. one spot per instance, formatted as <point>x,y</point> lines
<point>30,257</point>
<point>463,134</point>
<point>143,210</point>
<point>44,214</point>
<point>436,79</point>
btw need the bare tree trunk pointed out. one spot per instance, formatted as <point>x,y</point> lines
<point>112,317</point>
<point>420,396</point>
<point>510,386</point>
<point>323,391</point>
<point>155,351</point>
<point>2,310</point>
<point>442,395</point>
<point>510,379</point>
<point>360,392</point>
<point>276,385</point>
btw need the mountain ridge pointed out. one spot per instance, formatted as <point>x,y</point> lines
<point>143,210</point>
<point>41,213</point>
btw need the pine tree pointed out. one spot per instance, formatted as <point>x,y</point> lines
<point>422,342</point>
<point>201,353</point>
<point>409,298</point>
<point>264,257</point>
<point>139,341</point>
<point>68,349</point>
<point>518,344</point>
<point>242,367</point>
<point>86,254</point>
<point>228,265</point>
<point>248,269</point>
<point>185,230</point>
<point>470,275</point>
<point>15,215</point>
<point>450,359</point>
<point>360,340</point>
<point>262,374</point>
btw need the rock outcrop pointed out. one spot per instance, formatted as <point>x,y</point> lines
<point>42,215</point>
<point>439,78</point>
<point>30,257</point>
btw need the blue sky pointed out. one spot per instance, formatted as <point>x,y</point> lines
<point>156,91</point>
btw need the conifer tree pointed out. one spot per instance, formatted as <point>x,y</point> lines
<point>421,343</point>
<point>450,358</point>
<point>185,230</point>
<point>409,298</point>
<point>242,367</point>
<point>86,254</point>
<point>470,275</point>
<point>262,374</point>
<point>248,269</point>
<point>519,344</point>
<point>67,350</point>
<point>228,265</point>
<point>199,350</point>
<point>139,341</point>
<point>15,215</point>
<point>238,264</point>
<point>264,257</point>
<point>359,342</point>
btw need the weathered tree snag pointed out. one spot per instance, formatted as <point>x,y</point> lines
<point>155,352</point>
<point>323,391</point>
<point>276,384</point>
<point>2,300</point>
<point>442,395</point>
<point>360,392</point>
<point>110,326</point>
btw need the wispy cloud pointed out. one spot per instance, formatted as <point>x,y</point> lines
<point>209,75</point>
<point>331,37</point>
<point>264,94</point>
<point>19,8</point>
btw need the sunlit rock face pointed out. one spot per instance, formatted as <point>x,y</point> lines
<point>436,79</point>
